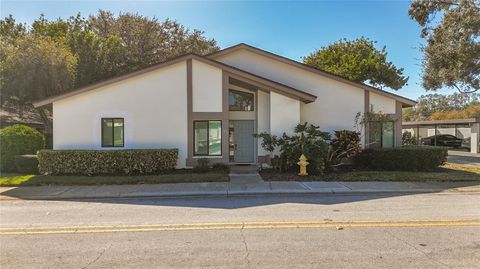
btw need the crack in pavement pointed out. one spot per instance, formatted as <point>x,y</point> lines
<point>417,249</point>
<point>247,252</point>
<point>98,257</point>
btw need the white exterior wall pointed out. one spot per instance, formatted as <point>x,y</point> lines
<point>206,87</point>
<point>337,103</point>
<point>153,105</point>
<point>263,118</point>
<point>382,103</point>
<point>284,114</point>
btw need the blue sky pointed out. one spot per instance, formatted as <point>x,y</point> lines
<point>291,29</point>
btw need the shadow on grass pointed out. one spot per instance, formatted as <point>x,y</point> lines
<point>178,177</point>
<point>448,173</point>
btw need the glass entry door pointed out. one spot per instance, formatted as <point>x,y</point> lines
<point>241,141</point>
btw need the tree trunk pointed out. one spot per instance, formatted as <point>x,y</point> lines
<point>47,124</point>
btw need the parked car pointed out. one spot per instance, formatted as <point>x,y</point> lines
<point>442,140</point>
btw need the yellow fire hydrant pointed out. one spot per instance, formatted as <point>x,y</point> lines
<point>303,165</point>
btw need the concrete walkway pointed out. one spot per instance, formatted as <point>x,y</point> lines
<point>461,157</point>
<point>237,186</point>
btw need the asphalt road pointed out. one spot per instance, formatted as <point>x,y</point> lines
<point>439,230</point>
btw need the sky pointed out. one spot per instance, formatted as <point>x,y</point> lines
<point>292,29</point>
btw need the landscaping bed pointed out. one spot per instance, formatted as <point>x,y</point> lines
<point>178,176</point>
<point>446,172</point>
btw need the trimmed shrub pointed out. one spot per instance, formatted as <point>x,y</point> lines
<point>407,158</point>
<point>221,167</point>
<point>18,140</point>
<point>26,164</point>
<point>203,166</point>
<point>107,162</point>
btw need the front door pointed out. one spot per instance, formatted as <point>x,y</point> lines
<point>243,141</point>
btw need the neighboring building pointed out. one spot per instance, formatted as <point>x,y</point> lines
<point>466,129</point>
<point>10,116</point>
<point>209,106</point>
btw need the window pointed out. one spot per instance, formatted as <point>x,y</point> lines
<point>112,132</point>
<point>207,138</point>
<point>381,135</point>
<point>240,101</point>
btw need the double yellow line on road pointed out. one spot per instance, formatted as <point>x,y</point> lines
<point>235,226</point>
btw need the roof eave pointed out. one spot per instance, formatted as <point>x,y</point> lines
<point>403,100</point>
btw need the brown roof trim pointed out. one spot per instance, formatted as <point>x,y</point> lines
<point>287,90</point>
<point>405,101</point>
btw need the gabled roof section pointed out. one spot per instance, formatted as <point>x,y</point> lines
<point>269,84</point>
<point>405,101</point>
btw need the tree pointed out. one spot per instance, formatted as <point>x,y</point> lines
<point>10,30</point>
<point>360,61</point>
<point>148,40</point>
<point>452,52</point>
<point>471,111</point>
<point>430,104</point>
<point>34,68</point>
<point>107,45</point>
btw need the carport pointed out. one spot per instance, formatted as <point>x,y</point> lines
<point>466,129</point>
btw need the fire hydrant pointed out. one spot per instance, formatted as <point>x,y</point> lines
<point>303,165</point>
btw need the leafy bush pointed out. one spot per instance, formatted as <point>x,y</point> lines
<point>26,164</point>
<point>104,162</point>
<point>203,165</point>
<point>407,158</point>
<point>307,139</point>
<point>408,139</point>
<point>18,140</point>
<point>345,145</point>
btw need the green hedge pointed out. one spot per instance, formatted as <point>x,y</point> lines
<point>107,162</point>
<point>26,164</point>
<point>407,158</point>
<point>18,140</point>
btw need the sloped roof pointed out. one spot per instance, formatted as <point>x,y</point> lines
<point>279,87</point>
<point>405,101</point>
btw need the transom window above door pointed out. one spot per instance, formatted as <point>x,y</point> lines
<point>240,101</point>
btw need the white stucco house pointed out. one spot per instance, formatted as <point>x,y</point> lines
<point>209,106</point>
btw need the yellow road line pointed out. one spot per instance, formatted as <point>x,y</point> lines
<point>235,223</point>
<point>235,226</point>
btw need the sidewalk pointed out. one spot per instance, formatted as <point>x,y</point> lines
<point>233,188</point>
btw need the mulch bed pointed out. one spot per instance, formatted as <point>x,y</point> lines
<point>271,175</point>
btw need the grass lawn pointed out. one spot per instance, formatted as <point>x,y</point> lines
<point>447,172</point>
<point>177,177</point>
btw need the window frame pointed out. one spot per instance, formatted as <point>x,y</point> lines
<point>242,92</point>
<point>113,133</point>
<point>370,144</point>
<point>208,139</point>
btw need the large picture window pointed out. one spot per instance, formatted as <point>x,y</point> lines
<point>207,139</point>
<point>240,101</point>
<point>381,135</point>
<point>112,132</point>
